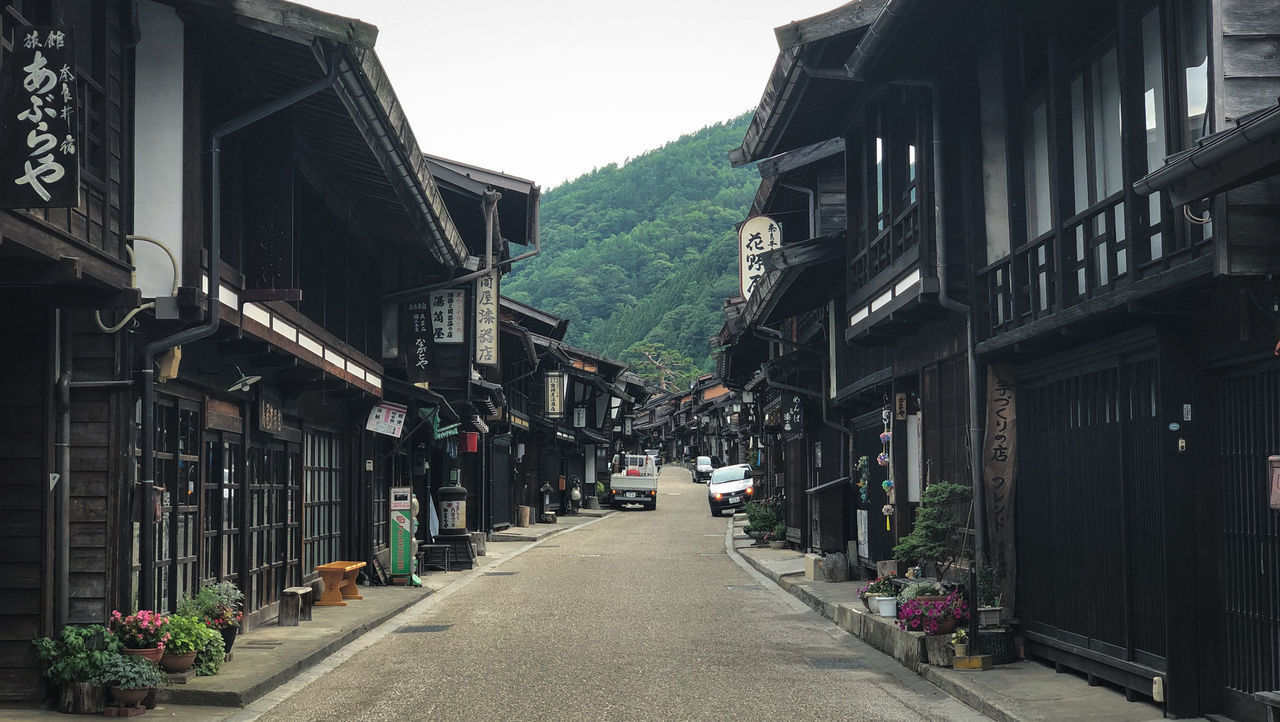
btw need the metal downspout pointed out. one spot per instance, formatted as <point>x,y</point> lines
<point>146,547</point>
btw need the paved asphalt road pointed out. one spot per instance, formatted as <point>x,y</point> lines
<point>638,616</point>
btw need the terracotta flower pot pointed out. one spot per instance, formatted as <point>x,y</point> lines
<point>129,697</point>
<point>152,653</point>
<point>175,663</point>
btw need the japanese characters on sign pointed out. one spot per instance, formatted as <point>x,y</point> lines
<point>487,319</point>
<point>579,417</point>
<point>420,345</point>
<point>756,236</point>
<point>39,127</point>
<point>446,315</point>
<point>270,418</point>
<point>998,460</point>
<point>555,395</point>
<point>792,413</point>
<point>387,418</point>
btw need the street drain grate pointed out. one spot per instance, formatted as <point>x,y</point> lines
<point>836,663</point>
<point>548,546</point>
<point>498,574</point>
<point>414,628</point>
<point>261,644</point>
<point>744,587</point>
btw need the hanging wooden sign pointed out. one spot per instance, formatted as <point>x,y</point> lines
<point>38,137</point>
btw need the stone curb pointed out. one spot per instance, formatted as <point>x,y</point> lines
<point>245,697</point>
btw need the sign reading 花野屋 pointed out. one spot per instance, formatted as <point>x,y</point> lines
<point>755,236</point>
<point>487,319</point>
<point>446,315</point>
<point>38,142</point>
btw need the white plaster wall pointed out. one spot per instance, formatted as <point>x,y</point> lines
<point>157,155</point>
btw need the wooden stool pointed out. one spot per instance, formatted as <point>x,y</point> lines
<point>339,583</point>
<point>295,606</point>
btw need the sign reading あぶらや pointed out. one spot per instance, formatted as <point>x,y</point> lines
<point>38,128</point>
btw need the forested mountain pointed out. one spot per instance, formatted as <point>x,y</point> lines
<point>644,254</point>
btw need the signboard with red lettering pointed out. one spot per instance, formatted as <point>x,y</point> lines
<point>38,129</point>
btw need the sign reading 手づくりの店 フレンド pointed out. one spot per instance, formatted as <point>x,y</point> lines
<point>38,141</point>
<point>447,311</point>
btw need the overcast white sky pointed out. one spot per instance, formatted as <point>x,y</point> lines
<point>548,90</point>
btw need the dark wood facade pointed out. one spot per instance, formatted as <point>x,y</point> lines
<point>1005,166</point>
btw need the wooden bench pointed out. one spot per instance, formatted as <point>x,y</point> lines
<point>295,606</point>
<point>339,583</point>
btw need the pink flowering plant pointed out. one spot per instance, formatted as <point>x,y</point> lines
<point>918,615</point>
<point>143,629</point>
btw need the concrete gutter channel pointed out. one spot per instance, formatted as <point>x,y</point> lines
<point>270,656</point>
<point>1023,690</point>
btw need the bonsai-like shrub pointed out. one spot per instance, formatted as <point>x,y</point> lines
<point>77,654</point>
<point>936,536</point>
<point>130,672</point>
<point>762,515</point>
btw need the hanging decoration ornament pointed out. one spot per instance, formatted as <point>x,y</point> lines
<point>886,439</point>
<point>864,477</point>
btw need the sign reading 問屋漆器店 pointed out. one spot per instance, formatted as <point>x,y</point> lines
<point>756,236</point>
<point>38,136</point>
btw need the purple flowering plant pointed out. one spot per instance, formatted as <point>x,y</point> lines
<point>918,615</point>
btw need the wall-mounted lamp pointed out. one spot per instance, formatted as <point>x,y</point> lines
<point>244,382</point>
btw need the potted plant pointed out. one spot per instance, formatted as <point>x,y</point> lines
<point>186,637</point>
<point>937,534</point>
<point>142,633</point>
<point>922,590</point>
<point>876,588</point>
<point>211,655</point>
<point>777,536</point>
<point>762,517</point>
<point>218,606</point>
<point>130,678</point>
<point>989,609</point>
<point>933,617</point>
<point>74,659</point>
<point>960,641</point>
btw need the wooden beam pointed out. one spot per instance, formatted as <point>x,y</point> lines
<point>849,16</point>
<point>291,21</point>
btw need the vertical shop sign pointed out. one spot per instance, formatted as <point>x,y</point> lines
<point>792,413</point>
<point>755,237</point>
<point>38,142</point>
<point>487,319</point>
<point>446,315</point>
<point>402,524</point>
<point>555,395</point>
<point>419,342</point>
<point>998,458</point>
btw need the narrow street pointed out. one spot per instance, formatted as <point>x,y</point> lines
<point>641,615</point>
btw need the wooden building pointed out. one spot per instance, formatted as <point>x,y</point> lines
<point>64,398</point>
<point>1036,303</point>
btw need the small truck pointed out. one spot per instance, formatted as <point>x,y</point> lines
<point>637,483</point>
